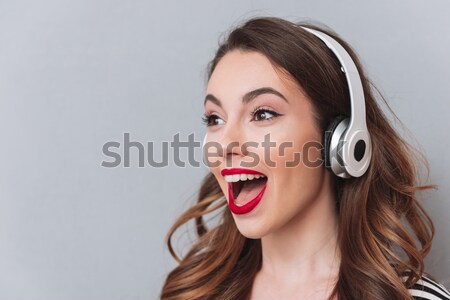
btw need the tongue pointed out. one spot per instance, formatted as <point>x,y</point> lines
<point>249,191</point>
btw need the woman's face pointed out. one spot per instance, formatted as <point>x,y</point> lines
<point>249,101</point>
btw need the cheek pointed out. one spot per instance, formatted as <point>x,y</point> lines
<point>292,193</point>
<point>298,168</point>
<point>297,151</point>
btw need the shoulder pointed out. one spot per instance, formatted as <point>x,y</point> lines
<point>428,289</point>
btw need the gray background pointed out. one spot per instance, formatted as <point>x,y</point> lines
<point>76,74</point>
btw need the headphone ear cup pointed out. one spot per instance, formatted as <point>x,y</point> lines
<point>328,134</point>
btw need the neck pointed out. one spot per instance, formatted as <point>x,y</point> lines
<point>305,249</point>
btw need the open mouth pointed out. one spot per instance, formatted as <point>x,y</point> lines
<point>245,189</point>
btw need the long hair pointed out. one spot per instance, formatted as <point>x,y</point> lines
<point>384,233</point>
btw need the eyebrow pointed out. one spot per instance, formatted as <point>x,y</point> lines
<point>248,97</point>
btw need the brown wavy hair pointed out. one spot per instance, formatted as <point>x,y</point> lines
<point>384,233</point>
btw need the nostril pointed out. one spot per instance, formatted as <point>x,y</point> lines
<point>232,148</point>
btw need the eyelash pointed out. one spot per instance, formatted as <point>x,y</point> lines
<point>208,118</point>
<point>265,110</point>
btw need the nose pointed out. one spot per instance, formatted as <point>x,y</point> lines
<point>227,143</point>
<point>230,140</point>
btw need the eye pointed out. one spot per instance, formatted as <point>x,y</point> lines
<point>261,114</point>
<point>212,120</point>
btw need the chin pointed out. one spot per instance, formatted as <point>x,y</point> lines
<point>249,229</point>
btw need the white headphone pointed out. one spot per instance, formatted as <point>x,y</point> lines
<point>347,144</point>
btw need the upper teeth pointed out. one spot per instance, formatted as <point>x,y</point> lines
<point>241,177</point>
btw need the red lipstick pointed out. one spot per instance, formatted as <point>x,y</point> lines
<point>248,207</point>
<point>233,171</point>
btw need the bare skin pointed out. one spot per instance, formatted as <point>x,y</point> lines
<point>296,220</point>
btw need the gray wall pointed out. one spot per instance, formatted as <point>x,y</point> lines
<point>77,74</point>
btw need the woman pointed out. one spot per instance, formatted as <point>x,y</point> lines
<point>294,224</point>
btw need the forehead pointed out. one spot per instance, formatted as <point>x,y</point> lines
<point>247,70</point>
